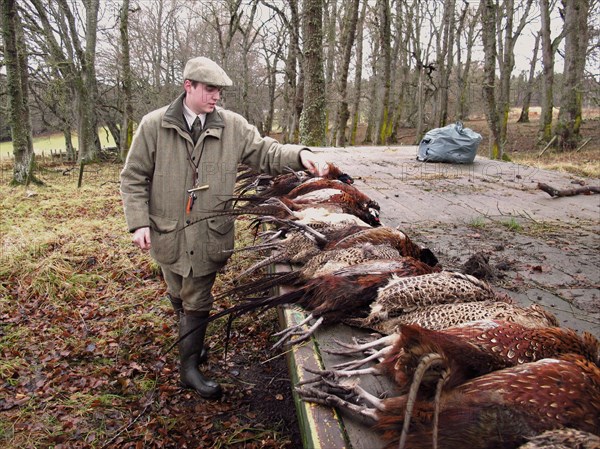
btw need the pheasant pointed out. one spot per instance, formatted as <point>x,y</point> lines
<point>289,245</point>
<point>332,194</point>
<point>442,316</point>
<point>472,349</point>
<point>269,186</point>
<point>566,438</point>
<point>391,236</point>
<point>405,294</point>
<point>320,264</point>
<point>306,236</point>
<point>496,410</point>
<point>333,297</point>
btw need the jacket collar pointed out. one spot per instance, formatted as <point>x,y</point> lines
<point>174,116</point>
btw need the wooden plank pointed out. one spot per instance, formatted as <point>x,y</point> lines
<point>322,427</point>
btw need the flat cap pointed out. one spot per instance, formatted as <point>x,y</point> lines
<point>206,71</point>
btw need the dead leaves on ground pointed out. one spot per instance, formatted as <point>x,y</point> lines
<point>83,333</point>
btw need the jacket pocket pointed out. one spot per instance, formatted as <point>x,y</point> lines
<point>220,238</point>
<point>165,239</point>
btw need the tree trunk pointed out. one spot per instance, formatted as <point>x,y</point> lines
<point>15,56</point>
<point>524,117</point>
<point>444,63</point>
<point>249,35</point>
<point>126,130</point>
<point>576,40</point>
<point>372,96</point>
<point>88,120</point>
<point>358,74</point>
<point>271,80</point>
<point>298,61</point>
<point>312,120</point>
<point>469,20</point>
<point>347,42</point>
<point>330,34</point>
<point>548,50</point>
<point>507,57</point>
<point>71,156</point>
<point>488,19</point>
<point>383,128</point>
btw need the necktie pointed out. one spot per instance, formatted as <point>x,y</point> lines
<point>196,129</point>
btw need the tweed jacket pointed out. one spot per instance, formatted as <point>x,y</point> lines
<point>158,173</point>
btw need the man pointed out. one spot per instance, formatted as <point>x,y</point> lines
<point>181,165</point>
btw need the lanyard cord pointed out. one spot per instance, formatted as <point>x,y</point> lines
<point>195,165</point>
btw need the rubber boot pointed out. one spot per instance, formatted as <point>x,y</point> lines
<point>189,352</point>
<point>177,305</point>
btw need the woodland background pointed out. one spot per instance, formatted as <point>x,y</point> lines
<point>314,71</point>
<point>84,325</point>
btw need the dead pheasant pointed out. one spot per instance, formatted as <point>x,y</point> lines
<point>295,247</point>
<point>473,349</point>
<point>402,295</point>
<point>565,438</point>
<point>320,264</point>
<point>333,297</point>
<point>335,195</point>
<point>305,236</point>
<point>442,316</point>
<point>384,234</point>
<point>496,410</point>
<point>268,186</point>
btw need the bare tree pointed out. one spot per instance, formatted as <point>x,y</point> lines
<point>488,36</point>
<point>467,25</point>
<point>358,74</point>
<point>15,56</point>
<point>420,16</point>
<point>249,34</point>
<point>524,117</point>
<point>75,60</point>
<point>348,33</point>
<point>312,120</point>
<point>272,50</point>
<point>576,42</point>
<point>293,91</point>
<point>444,62</point>
<point>401,66</point>
<point>383,121</point>
<point>549,48</point>
<point>126,134</point>
<point>506,55</point>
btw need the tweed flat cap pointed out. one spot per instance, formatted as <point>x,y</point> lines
<point>207,72</point>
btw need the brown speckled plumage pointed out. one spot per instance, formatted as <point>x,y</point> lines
<point>566,438</point>
<point>442,316</point>
<point>406,294</point>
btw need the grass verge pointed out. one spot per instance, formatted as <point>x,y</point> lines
<point>85,326</point>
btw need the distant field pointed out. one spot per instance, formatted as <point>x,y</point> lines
<point>55,142</point>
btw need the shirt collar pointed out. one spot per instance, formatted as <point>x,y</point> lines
<point>189,116</point>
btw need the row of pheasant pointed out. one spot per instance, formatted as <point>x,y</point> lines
<point>471,368</point>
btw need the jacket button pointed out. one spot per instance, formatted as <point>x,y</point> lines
<point>191,253</point>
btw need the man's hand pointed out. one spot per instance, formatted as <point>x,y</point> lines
<point>141,237</point>
<point>315,164</point>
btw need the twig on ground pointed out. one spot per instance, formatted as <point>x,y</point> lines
<point>556,193</point>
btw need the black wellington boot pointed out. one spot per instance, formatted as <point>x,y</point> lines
<point>189,354</point>
<point>177,305</point>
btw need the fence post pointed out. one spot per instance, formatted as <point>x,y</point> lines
<point>80,180</point>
